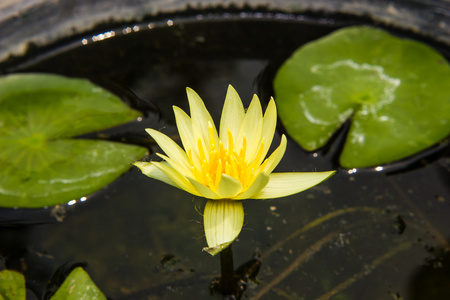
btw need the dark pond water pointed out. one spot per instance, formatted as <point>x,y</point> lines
<point>362,234</point>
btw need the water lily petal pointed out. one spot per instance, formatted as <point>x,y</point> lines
<point>257,185</point>
<point>171,149</point>
<point>228,187</point>
<point>204,191</point>
<point>251,129</point>
<point>176,166</point>
<point>223,221</point>
<point>151,171</point>
<point>184,125</point>
<point>200,116</point>
<point>232,115</point>
<point>181,181</point>
<point>274,159</point>
<point>285,184</point>
<point>269,125</point>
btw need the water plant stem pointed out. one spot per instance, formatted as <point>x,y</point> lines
<point>227,271</point>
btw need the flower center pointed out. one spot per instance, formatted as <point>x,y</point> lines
<point>229,161</point>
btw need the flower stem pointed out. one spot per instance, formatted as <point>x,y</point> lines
<point>227,270</point>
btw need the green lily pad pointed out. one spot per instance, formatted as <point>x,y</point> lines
<point>395,91</point>
<point>78,285</point>
<point>41,165</point>
<point>12,285</point>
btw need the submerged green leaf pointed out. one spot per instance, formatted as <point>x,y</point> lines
<point>395,91</point>
<point>40,164</point>
<point>12,285</point>
<point>78,285</point>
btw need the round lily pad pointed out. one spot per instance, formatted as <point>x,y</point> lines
<point>396,92</point>
<point>41,165</point>
<point>12,285</point>
<point>78,285</point>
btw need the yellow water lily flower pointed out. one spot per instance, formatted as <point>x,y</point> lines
<point>226,166</point>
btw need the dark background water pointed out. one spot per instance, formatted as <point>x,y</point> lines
<point>363,235</point>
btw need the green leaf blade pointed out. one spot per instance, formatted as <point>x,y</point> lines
<point>394,90</point>
<point>77,286</point>
<point>12,285</point>
<point>40,164</point>
<point>30,103</point>
<point>75,168</point>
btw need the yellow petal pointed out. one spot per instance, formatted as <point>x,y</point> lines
<point>285,184</point>
<point>204,191</point>
<point>189,140</point>
<point>174,165</point>
<point>151,171</point>
<point>251,129</point>
<point>269,126</point>
<point>200,116</point>
<point>257,185</point>
<point>223,221</point>
<point>274,159</point>
<point>232,115</point>
<point>181,181</point>
<point>228,187</point>
<point>184,125</point>
<point>171,149</point>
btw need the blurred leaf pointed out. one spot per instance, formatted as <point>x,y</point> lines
<point>395,91</point>
<point>40,165</point>
<point>12,285</point>
<point>57,107</point>
<point>78,285</point>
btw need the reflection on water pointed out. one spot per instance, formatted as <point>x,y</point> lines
<point>359,235</point>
